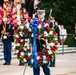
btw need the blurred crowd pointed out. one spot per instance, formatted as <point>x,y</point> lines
<point>13,14</point>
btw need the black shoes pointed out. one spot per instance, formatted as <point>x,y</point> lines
<point>51,65</point>
<point>21,64</point>
<point>6,63</point>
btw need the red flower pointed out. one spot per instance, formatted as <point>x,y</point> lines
<point>47,27</point>
<point>39,61</point>
<point>46,52</point>
<point>47,21</point>
<point>29,50</point>
<point>50,41</point>
<point>48,58</point>
<point>27,58</point>
<point>39,21</point>
<point>39,33</point>
<point>53,48</point>
<point>23,42</point>
<point>18,39</point>
<point>40,53</point>
<point>16,31</point>
<point>54,32</point>
<point>56,43</point>
<point>29,19</point>
<point>25,55</point>
<point>46,49</point>
<point>18,54</point>
<point>45,37</point>
<point>20,48</point>
<point>42,24</point>
<point>26,32</point>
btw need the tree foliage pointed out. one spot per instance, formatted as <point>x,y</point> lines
<point>63,10</point>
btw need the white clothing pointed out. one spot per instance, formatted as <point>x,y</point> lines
<point>63,32</point>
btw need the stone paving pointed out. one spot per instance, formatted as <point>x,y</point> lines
<point>65,65</point>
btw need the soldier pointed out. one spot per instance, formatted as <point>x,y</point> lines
<point>46,70</point>
<point>7,39</point>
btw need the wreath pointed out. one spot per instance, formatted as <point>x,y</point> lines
<point>23,46</point>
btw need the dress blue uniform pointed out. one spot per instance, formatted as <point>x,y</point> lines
<point>7,40</point>
<point>36,70</point>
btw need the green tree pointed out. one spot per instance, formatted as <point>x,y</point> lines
<point>63,10</point>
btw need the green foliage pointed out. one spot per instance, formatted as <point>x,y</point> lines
<point>69,41</point>
<point>64,11</point>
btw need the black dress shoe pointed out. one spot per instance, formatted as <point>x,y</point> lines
<point>51,65</point>
<point>6,63</point>
<point>21,64</point>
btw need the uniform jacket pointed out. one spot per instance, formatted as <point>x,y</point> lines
<point>10,30</point>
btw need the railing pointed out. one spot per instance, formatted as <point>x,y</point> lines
<point>63,42</point>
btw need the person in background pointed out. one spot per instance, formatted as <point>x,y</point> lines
<point>63,34</point>
<point>57,30</point>
<point>7,39</point>
<point>25,18</point>
<point>54,24</point>
<point>0,25</point>
<point>37,5</point>
<point>40,42</point>
<point>52,21</point>
<point>74,37</point>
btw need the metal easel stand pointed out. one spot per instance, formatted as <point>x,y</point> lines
<point>24,69</point>
<point>63,44</point>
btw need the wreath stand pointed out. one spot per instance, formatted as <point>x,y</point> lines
<point>24,69</point>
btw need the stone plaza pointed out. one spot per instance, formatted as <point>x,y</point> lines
<point>65,65</point>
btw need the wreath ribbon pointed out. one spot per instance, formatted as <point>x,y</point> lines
<point>34,24</point>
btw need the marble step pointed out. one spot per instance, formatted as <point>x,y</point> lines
<point>66,48</point>
<point>66,51</point>
<point>59,46</point>
<point>13,56</point>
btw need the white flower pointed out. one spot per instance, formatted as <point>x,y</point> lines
<point>29,54</point>
<point>51,32</point>
<point>19,23</point>
<point>32,61</point>
<point>18,44</point>
<point>25,60</point>
<point>39,26</point>
<point>51,44</point>
<point>17,51</point>
<point>56,39</point>
<point>21,40</point>
<point>22,53</point>
<point>44,57</point>
<point>46,25</point>
<point>49,51</point>
<point>28,47</point>
<point>20,34</point>
<point>24,48</point>
<point>27,44</point>
<point>29,29</point>
<point>27,40</point>
<point>44,61</point>
<point>38,57</point>
<point>46,41</point>
<point>21,27</point>
<point>17,36</point>
<point>27,25</point>
<point>48,47</point>
<point>45,33</point>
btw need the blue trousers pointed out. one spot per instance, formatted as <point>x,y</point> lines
<point>52,62</point>
<point>46,70</point>
<point>7,51</point>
